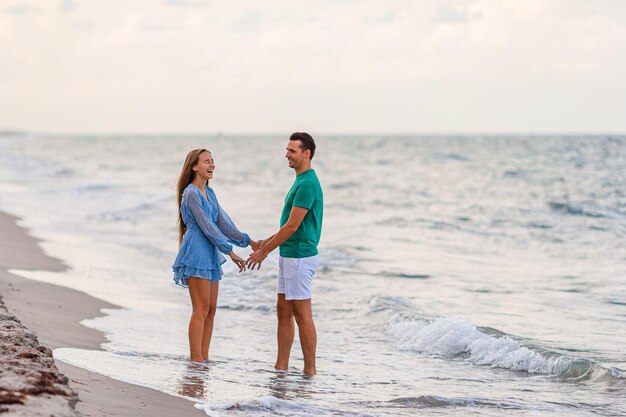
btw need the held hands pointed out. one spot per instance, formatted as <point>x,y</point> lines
<point>256,258</point>
<point>238,261</point>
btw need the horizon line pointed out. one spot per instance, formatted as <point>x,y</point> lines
<point>222,133</point>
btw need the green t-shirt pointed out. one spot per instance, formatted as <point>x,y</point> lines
<point>305,192</point>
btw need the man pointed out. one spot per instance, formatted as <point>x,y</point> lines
<point>298,237</point>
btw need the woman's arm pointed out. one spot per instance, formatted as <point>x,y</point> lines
<point>210,229</point>
<point>230,230</point>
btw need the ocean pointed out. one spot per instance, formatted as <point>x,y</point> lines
<point>460,275</point>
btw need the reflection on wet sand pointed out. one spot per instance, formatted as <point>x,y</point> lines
<point>193,381</point>
<point>290,386</point>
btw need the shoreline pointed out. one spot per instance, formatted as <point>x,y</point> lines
<point>54,313</point>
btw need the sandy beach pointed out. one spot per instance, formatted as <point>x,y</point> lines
<point>54,313</point>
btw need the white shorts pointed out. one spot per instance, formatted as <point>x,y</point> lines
<point>295,276</point>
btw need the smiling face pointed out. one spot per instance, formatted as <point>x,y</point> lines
<point>205,166</point>
<point>295,155</point>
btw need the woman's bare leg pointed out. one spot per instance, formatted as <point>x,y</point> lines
<point>200,293</point>
<point>209,320</point>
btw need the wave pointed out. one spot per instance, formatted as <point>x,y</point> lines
<point>394,204</point>
<point>435,401</point>
<point>270,406</point>
<point>578,210</point>
<point>93,188</point>
<point>450,156</point>
<point>616,302</point>
<point>64,172</point>
<point>344,185</point>
<point>381,303</point>
<point>394,274</point>
<point>405,275</point>
<point>265,308</point>
<point>453,338</point>
<point>394,221</point>
<point>539,225</point>
<point>131,213</point>
<point>519,173</point>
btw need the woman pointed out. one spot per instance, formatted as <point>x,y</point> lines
<point>205,232</point>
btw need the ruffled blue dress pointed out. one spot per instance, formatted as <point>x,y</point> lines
<point>210,233</point>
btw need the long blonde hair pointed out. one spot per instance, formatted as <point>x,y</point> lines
<point>187,175</point>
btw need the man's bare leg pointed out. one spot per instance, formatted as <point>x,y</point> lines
<point>303,312</point>
<point>285,332</point>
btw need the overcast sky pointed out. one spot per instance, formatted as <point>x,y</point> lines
<point>343,66</point>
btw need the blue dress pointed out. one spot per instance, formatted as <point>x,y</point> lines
<point>210,232</point>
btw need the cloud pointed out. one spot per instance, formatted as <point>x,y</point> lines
<point>248,22</point>
<point>378,66</point>
<point>67,5</point>
<point>186,3</point>
<point>18,9</point>
<point>387,17</point>
<point>456,15</point>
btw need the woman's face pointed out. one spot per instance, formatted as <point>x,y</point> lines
<point>205,166</point>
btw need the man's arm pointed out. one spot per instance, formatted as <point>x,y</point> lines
<point>263,242</point>
<point>295,219</point>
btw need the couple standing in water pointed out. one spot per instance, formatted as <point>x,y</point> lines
<point>206,233</point>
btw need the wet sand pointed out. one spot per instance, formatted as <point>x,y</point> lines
<point>53,314</point>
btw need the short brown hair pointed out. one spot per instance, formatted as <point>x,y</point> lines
<point>306,141</point>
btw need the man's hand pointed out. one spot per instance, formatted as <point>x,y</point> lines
<point>255,245</point>
<point>256,258</point>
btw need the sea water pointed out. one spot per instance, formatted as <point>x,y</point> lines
<point>459,275</point>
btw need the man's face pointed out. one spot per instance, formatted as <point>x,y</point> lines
<point>295,155</point>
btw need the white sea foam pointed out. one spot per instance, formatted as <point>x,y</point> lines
<point>270,406</point>
<point>457,338</point>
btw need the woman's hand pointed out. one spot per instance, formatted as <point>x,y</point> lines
<point>238,261</point>
<point>255,245</point>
